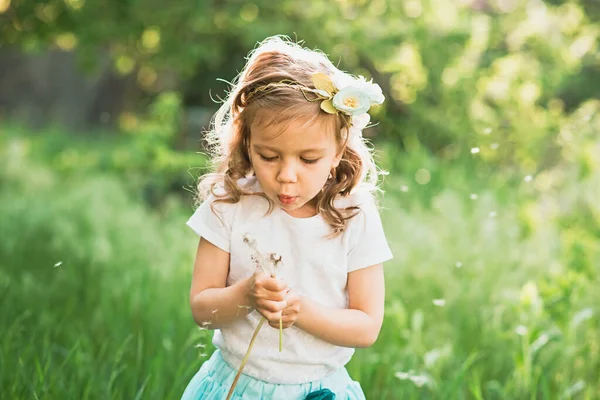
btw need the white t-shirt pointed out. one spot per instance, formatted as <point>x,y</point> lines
<point>314,266</point>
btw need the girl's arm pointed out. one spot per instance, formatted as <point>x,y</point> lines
<point>213,304</point>
<point>360,323</point>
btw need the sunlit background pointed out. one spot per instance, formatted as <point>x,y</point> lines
<point>490,134</point>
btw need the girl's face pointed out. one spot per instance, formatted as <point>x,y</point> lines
<point>293,166</point>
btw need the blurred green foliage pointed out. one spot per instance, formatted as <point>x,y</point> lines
<point>494,74</point>
<point>490,134</point>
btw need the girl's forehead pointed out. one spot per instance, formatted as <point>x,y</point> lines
<point>270,125</point>
<point>294,134</point>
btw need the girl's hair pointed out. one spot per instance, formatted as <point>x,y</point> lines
<point>272,84</point>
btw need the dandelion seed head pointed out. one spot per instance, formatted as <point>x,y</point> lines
<point>487,131</point>
<point>473,196</point>
<point>494,146</point>
<point>58,264</point>
<point>249,239</point>
<point>492,214</point>
<point>475,150</point>
<point>458,264</point>
<point>275,259</point>
<point>404,188</point>
<point>528,178</point>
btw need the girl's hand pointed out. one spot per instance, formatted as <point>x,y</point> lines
<point>267,296</point>
<point>289,313</point>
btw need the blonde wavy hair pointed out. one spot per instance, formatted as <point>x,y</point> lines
<point>274,81</point>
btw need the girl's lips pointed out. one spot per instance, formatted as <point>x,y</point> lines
<point>286,199</point>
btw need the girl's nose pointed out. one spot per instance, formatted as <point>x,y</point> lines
<point>287,173</point>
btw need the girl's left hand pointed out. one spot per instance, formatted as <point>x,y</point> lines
<point>290,313</point>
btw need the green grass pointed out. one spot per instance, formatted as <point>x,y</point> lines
<point>487,298</point>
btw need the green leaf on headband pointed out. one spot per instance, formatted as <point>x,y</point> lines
<point>323,82</point>
<point>327,106</point>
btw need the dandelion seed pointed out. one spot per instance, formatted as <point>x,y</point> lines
<point>439,302</point>
<point>459,264</point>
<point>493,214</point>
<point>58,264</point>
<point>473,196</point>
<point>404,188</point>
<point>528,178</point>
<point>475,150</point>
<point>402,375</point>
<point>203,355</point>
<point>494,146</point>
<point>521,330</point>
<point>487,131</point>
<point>420,380</point>
<point>206,323</point>
<point>200,345</point>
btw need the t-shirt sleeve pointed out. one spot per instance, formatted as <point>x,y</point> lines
<point>368,244</point>
<point>214,226</point>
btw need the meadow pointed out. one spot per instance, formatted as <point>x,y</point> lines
<point>493,292</point>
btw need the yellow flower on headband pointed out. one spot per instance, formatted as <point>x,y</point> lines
<point>347,95</point>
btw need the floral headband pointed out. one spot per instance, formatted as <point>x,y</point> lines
<point>339,94</point>
<point>353,97</point>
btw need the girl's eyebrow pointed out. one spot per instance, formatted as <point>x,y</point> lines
<point>313,149</point>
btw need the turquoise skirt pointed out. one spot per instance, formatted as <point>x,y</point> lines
<point>213,380</point>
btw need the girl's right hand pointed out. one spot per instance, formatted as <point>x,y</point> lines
<point>266,295</point>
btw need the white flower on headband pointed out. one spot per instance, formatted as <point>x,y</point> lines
<point>359,122</point>
<point>345,94</point>
<point>372,90</point>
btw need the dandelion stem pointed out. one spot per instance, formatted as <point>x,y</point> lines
<point>243,364</point>
<point>280,334</point>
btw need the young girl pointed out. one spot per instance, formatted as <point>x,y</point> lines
<point>294,174</point>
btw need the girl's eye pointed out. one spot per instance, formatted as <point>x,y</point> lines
<point>310,161</point>
<point>268,158</point>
